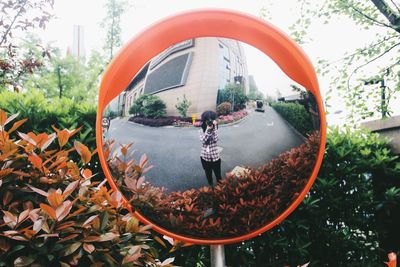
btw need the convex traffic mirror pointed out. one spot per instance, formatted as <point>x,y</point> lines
<point>204,139</point>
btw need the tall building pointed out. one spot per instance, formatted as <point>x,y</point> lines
<point>195,68</point>
<point>78,43</point>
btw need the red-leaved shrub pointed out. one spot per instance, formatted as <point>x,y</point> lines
<point>235,206</point>
<point>53,212</point>
<point>224,108</point>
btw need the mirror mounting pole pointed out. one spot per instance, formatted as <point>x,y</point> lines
<point>217,255</point>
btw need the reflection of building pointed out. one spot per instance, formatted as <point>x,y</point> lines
<point>196,68</point>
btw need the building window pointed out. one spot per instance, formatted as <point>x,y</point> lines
<point>224,66</point>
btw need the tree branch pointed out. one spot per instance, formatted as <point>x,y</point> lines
<point>12,23</point>
<point>375,21</point>
<point>368,62</point>
<point>362,50</point>
<point>390,15</point>
<point>396,6</point>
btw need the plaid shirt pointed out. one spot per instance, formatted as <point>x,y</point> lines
<point>209,149</point>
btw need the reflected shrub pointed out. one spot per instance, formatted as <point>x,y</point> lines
<point>224,108</point>
<point>296,115</point>
<point>150,106</point>
<point>234,116</point>
<point>235,206</point>
<point>159,122</point>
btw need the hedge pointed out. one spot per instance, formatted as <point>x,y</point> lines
<point>350,217</point>
<point>296,115</point>
<point>43,113</point>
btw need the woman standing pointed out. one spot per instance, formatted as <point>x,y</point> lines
<point>210,158</point>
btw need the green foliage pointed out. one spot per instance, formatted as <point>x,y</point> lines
<point>224,108</point>
<point>112,24</point>
<point>234,94</point>
<point>255,96</point>
<point>44,112</point>
<point>348,73</point>
<point>16,18</point>
<point>154,107</point>
<point>269,99</point>
<point>68,77</point>
<point>296,115</point>
<point>349,218</point>
<point>150,106</point>
<point>183,106</point>
<point>18,64</point>
<point>108,113</point>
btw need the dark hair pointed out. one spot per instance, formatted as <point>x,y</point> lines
<point>207,116</point>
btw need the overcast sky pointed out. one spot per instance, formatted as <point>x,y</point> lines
<point>328,41</point>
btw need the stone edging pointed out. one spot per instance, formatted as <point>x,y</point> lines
<point>172,126</point>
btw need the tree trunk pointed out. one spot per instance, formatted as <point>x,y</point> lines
<point>390,15</point>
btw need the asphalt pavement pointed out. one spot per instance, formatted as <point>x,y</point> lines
<point>175,152</point>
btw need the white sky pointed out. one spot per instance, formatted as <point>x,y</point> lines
<point>329,41</point>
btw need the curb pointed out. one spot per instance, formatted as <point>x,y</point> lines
<point>172,126</point>
<point>235,122</point>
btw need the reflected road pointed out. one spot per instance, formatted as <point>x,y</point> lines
<point>175,152</point>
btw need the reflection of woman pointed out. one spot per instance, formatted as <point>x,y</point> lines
<point>210,158</point>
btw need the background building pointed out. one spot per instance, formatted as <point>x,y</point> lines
<point>197,68</point>
<point>78,44</point>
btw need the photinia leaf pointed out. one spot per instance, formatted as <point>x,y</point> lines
<point>159,240</point>
<point>23,216</point>
<point>140,181</point>
<point>143,160</point>
<point>392,260</point>
<point>16,125</point>
<point>49,140</point>
<point>71,249</point>
<point>167,261</point>
<point>23,261</point>
<point>36,161</point>
<point>3,118</point>
<point>87,173</point>
<point>55,199</point>
<point>48,210</point>
<point>10,219</point>
<point>89,220</point>
<point>70,188</point>
<point>63,137</point>
<point>107,237</point>
<point>83,151</point>
<point>63,210</point>
<point>27,138</point>
<point>89,248</point>
<point>39,191</point>
<point>12,117</point>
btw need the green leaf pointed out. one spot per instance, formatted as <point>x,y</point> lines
<point>104,217</point>
<point>23,261</point>
<point>71,249</point>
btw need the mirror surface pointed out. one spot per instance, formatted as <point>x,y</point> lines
<point>210,139</point>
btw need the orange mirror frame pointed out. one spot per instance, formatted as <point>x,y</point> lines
<point>210,23</point>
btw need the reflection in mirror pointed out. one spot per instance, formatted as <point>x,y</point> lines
<point>210,139</point>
